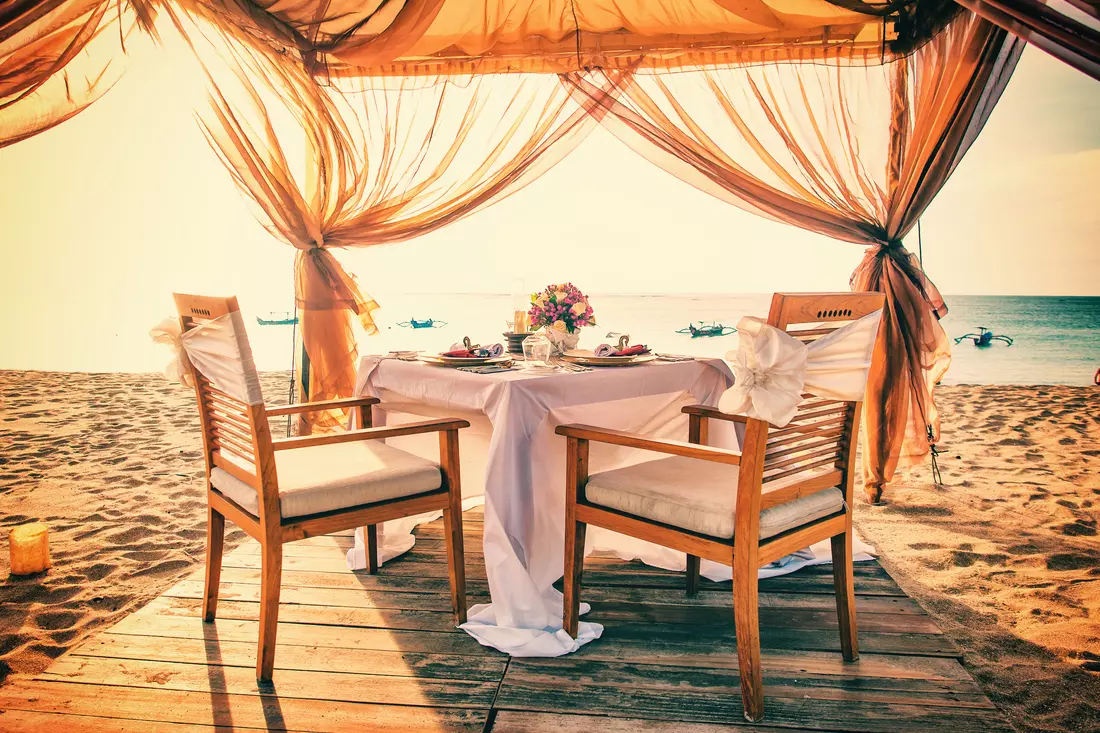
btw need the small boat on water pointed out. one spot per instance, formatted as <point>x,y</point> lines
<point>277,319</point>
<point>430,323</point>
<point>984,337</point>
<point>703,329</point>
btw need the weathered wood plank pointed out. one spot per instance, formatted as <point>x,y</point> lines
<point>290,683</point>
<point>829,702</point>
<point>335,597</point>
<point>336,564</point>
<point>222,652</point>
<point>348,591</point>
<point>676,597</point>
<point>157,706</point>
<point>706,654</point>
<point>706,617</point>
<point>578,675</point>
<point>378,618</point>
<point>794,583</point>
<point>672,594</point>
<point>359,581</point>
<point>777,637</point>
<point>22,721</point>
<point>864,585</point>
<point>292,634</point>
<point>515,721</point>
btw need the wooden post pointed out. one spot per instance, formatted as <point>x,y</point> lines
<point>304,389</point>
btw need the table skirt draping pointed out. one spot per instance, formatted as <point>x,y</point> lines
<point>512,460</point>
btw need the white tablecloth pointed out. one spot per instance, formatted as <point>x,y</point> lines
<point>513,461</point>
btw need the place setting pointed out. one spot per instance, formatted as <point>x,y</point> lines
<point>470,357</point>
<point>543,339</point>
<point>606,355</point>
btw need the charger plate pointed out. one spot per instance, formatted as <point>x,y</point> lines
<point>587,358</point>
<point>457,361</point>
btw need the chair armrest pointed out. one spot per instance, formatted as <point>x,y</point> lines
<point>671,447</point>
<point>713,412</point>
<point>325,405</point>
<point>350,436</point>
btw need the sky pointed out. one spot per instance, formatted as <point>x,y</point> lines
<point>106,215</point>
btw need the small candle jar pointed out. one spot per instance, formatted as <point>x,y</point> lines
<point>30,549</point>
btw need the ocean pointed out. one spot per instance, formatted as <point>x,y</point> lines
<point>1056,340</point>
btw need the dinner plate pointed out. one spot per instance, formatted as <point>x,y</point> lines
<point>456,361</point>
<point>587,358</point>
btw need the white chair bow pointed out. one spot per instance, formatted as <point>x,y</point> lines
<point>772,369</point>
<point>168,332</point>
<point>218,349</point>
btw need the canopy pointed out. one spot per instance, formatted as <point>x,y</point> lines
<point>417,37</point>
<point>837,116</point>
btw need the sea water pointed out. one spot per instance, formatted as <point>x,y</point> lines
<point>1056,340</point>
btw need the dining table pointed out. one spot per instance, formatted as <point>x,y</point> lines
<point>513,462</point>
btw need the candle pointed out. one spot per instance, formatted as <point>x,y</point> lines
<point>519,322</point>
<point>30,549</point>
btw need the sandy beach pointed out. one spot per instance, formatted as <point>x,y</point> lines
<point>112,463</point>
<point>1004,555</point>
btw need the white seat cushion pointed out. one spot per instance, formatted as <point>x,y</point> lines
<point>323,478</point>
<point>700,496</point>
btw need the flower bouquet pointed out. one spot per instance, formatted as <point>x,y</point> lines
<point>561,311</point>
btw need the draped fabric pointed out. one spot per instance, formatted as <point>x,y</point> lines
<point>772,369</point>
<point>430,37</point>
<point>1066,29</point>
<point>395,158</point>
<point>853,153</point>
<point>218,349</point>
<point>59,56</point>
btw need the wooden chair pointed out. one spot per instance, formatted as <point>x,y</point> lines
<point>788,488</point>
<point>279,491</point>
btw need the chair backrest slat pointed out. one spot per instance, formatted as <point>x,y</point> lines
<point>822,433</point>
<point>235,434</point>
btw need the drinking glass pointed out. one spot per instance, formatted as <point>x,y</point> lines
<point>536,350</point>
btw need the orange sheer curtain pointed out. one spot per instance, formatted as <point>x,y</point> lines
<point>59,56</point>
<point>1066,29</point>
<point>396,158</point>
<point>428,37</point>
<point>852,152</point>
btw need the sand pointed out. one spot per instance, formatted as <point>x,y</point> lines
<point>112,463</point>
<point>1005,555</point>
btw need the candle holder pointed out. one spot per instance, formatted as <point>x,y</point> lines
<point>515,341</point>
<point>29,546</point>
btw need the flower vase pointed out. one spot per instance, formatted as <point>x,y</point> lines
<point>562,341</point>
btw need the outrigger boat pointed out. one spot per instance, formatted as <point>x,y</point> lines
<point>278,319</point>
<point>713,329</point>
<point>430,323</point>
<point>984,337</point>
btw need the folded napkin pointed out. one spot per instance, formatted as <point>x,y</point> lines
<point>482,352</point>
<point>609,350</point>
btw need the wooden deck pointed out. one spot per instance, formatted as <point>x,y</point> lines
<point>363,653</point>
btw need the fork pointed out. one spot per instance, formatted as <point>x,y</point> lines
<point>569,366</point>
